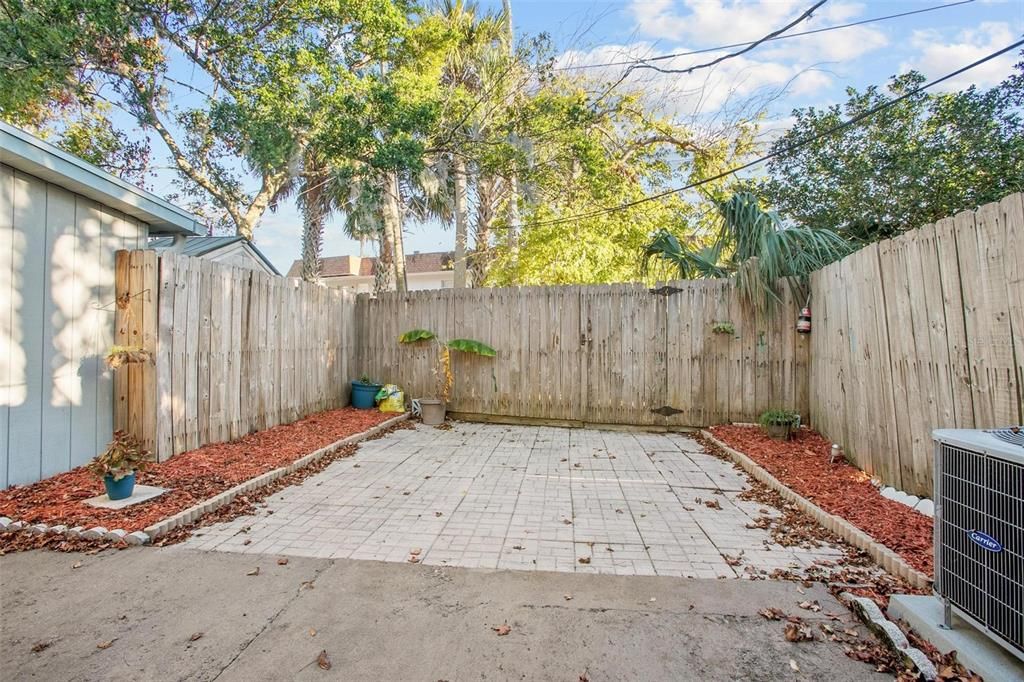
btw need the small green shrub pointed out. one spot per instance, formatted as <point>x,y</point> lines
<point>779,418</point>
<point>724,328</point>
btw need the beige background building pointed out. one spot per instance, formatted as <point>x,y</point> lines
<point>431,270</point>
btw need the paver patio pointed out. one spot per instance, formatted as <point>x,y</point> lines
<point>526,498</point>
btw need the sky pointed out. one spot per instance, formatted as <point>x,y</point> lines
<point>812,70</point>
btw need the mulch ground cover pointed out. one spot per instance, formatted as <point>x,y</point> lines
<point>191,476</point>
<point>803,465</point>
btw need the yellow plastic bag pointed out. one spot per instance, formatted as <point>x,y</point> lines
<point>391,398</point>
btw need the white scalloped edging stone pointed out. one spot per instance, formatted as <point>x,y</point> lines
<point>187,516</point>
<point>882,555</point>
<point>891,634</point>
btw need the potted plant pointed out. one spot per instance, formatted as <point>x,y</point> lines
<point>118,464</point>
<point>364,393</point>
<point>779,424</point>
<point>432,410</point>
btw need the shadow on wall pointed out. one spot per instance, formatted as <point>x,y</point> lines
<point>56,325</point>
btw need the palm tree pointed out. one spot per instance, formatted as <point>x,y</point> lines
<point>752,246</point>
<point>476,37</point>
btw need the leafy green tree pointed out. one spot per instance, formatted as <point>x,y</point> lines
<point>583,152</point>
<point>925,158</point>
<point>477,39</point>
<point>259,61</point>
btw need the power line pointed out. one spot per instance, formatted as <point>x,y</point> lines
<point>750,46</point>
<point>785,150</point>
<point>643,61</point>
<point>771,36</point>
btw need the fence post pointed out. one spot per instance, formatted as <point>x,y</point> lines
<point>135,281</point>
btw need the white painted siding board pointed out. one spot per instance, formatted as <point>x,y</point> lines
<point>86,357</point>
<point>25,414</point>
<point>8,344</point>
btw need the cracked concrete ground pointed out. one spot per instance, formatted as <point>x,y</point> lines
<point>390,621</point>
<point>525,498</point>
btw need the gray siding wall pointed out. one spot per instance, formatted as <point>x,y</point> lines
<point>56,324</point>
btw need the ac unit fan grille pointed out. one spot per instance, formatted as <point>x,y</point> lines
<point>982,493</point>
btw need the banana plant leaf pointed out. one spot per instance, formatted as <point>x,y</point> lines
<point>414,335</point>
<point>471,346</point>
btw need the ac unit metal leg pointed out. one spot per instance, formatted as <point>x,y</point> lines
<point>947,615</point>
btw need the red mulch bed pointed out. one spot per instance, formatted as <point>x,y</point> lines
<point>802,464</point>
<point>192,476</point>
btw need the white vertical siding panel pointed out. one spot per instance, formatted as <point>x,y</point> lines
<point>58,377</point>
<point>86,354</point>
<point>27,385</point>
<point>105,313</point>
<point>9,348</point>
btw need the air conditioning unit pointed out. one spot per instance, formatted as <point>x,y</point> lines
<point>979,530</point>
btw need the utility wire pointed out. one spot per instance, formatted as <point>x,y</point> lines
<point>774,34</point>
<point>662,57</point>
<point>785,150</point>
<point>750,46</point>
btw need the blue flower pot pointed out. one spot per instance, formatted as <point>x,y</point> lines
<point>119,490</point>
<point>363,395</point>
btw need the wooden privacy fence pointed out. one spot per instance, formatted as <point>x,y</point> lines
<point>235,350</point>
<point>616,354</point>
<point>919,332</point>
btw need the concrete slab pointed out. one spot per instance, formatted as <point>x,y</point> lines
<point>973,649</point>
<point>390,621</point>
<point>141,493</point>
<point>524,498</point>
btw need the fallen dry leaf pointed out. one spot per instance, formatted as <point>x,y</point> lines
<point>77,564</point>
<point>255,571</point>
<point>794,666</point>
<point>312,632</point>
<point>105,645</point>
<point>799,632</point>
<point>413,560</point>
<point>772,614</point>
<point>584,560</point>
<point>415,551</point>
<point>282,562</point>
<point>713,504</point>
<point>503,629</point>
<point>195,636</point>
<point>41,646</point>
<point>810,605</point>
<point>307,585</point>
<point>323,660</point>
<point>567,597</point>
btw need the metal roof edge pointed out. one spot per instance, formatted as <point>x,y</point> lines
<point>27,153</point>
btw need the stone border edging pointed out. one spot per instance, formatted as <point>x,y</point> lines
<point>883,556</point>
<point>186,516</point>
<point>891,634</point>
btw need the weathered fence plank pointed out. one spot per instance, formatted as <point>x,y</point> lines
<point>597,354</point>
<point>920,332</point>
<point>223,337</point>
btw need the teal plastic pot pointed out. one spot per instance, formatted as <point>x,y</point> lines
<point>363,395</point>
<point>119,490</point>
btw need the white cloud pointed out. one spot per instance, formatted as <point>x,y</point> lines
<point>732,88</point>
<point>713,22</point>
<point>938,57</point>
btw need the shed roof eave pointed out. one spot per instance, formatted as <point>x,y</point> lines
<point>29,154</point>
